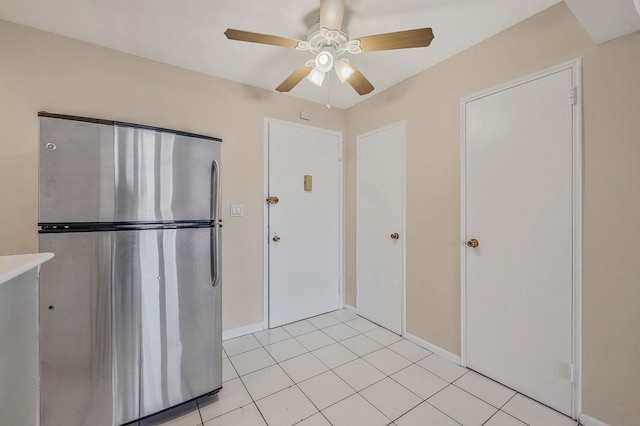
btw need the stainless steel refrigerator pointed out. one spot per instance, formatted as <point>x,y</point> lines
<point>130,306</point>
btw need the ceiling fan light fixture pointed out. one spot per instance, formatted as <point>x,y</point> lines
<point>344,70</point>
<point>324,61</point>
<point>316,76</point>
<point>328,40</point>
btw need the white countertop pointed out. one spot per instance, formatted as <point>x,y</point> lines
<point>12,266</point>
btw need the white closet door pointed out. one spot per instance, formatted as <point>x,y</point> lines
<point>380,225</point>
<point>519,208</point>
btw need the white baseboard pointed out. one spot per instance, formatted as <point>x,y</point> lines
<point>349,308</point>
<point>241,331</point>
<point>433,348</point>
<point>590,421</point>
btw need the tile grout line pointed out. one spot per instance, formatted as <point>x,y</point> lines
<point>383,346</point>
<point>253,401</point>
<point>331,369</point>
<point>360,333</point>
<point>245,388</point>
<point>296,384</point>
<point>422,400</point>
<point>509,400</point>
<point>290,386</point>
<point>320,347</point>
<point>479,398</point>
<point>323,363</point>
<point>410,355</point>
<point>200,412</point>
<point>426,401</point>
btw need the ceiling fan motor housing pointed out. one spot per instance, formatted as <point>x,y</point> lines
<point>321,38</point>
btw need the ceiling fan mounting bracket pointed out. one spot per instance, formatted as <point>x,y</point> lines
<point>321,38</point>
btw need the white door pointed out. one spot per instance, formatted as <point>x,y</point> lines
<point>304,226</point>
<point>519,203</point>
<point>380,225</point>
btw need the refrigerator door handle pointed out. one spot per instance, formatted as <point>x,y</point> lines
<point>215,239</point>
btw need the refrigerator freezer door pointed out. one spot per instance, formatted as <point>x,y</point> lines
<point>76,171</point>
<point>162,176</point>
<point>134,325</point>
<point>92,172</point>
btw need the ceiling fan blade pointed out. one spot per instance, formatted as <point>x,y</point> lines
<point>420,37</point>
<point>359,82</point>
<point>331,14</point>
<point>260,38</point>
<point>296,77</point>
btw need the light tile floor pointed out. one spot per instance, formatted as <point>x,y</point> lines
<point>340,369</point>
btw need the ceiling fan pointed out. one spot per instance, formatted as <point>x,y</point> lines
<point>328,41</point>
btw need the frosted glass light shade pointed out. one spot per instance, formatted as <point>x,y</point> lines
<point>324,61</point>
<point>343,70</point>
<point>316,76</point>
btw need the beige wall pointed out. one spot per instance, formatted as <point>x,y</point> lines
<point>430,102</point>
<point>611,295</point>
<point>41,71</point>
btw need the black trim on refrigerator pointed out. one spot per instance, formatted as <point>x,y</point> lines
<point>53,228</point>
<point>126,124</point>
<point>135,422</point>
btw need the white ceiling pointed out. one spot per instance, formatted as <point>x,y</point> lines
<point>606,20</point>
<point>189,34</point>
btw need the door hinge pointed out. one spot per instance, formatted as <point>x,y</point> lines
<point>573,95</point>
<point>572,373</point>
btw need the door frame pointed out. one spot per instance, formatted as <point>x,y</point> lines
<point>265,212</point>
<point>403,226</point>
<point>576,67</point>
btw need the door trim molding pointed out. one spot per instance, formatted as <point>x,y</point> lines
<point>403,124</point>
<point>576,67</point>
<point>265,212</point>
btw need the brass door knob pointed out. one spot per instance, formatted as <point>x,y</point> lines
<point>272,200</point>
<point>395,236</point>
<point>276,238</point>
<point>473,243</point>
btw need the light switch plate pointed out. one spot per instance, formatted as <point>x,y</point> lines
<point>236,210</point>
